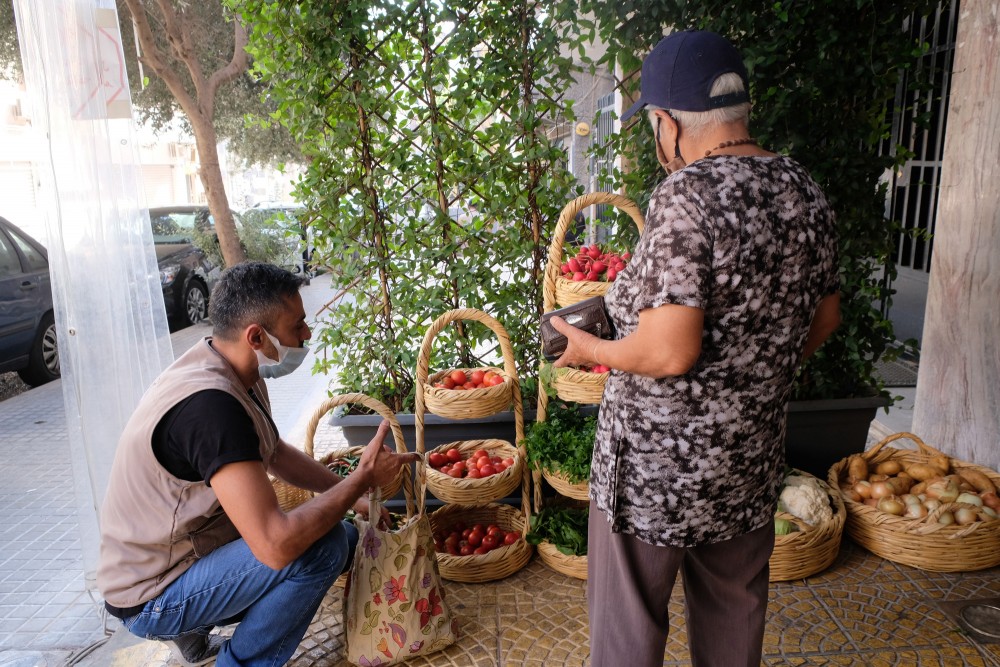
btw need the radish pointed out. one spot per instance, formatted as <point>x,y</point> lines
<point>598,266</point>
<point>573,265</point>
<point>612,274</point>
<point>579,275</point>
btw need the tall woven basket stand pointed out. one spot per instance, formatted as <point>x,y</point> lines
<point>290,497</point>
<point>472,500</point>
<point>571,384</point>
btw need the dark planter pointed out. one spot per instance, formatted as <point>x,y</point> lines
<point>820,433</point>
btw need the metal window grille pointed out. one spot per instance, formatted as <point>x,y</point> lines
<point>602,159</point>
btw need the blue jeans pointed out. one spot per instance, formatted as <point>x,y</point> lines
<point>273,607</point>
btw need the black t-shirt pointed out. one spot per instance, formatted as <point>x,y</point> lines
<point>204,432</point>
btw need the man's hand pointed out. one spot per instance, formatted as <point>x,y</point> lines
<point>379,464</point>
<point>579,346</point>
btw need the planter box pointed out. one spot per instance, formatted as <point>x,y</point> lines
<point>820,433</point>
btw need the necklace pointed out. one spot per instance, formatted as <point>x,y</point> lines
<point>731,143</point>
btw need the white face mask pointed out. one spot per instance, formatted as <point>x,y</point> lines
<point>289,358</point>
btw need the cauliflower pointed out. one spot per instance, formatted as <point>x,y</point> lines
<point>806,498</point>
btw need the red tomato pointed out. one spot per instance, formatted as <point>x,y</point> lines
<point>459,387</point>
<point>497,379</point>
<point>489,542</point>
<point>499,468</point>
<point>455,472</point>
<point>482,461</point>
<point>481,550</point>
<point>487,470</point>
<point>469,385</point>
<point>473,473</point>
<point>478,453</point>
<point>437,459</point>
<point>453,455</point>
<point>439,544</point>
<point>489,375</point>
<point>452,550</point>
<point>458,526</point>
<point>466,533</point>
<point>509,461</point>
<point>477,377</point>
<point>446,468</point>
<point>480,527</point>
<point>466,550</point>
<point>495,460</point>
<point>509,538</point>
<point>448,382</point>
<point>475,538</point>
<point>459,377</point>
<point>452,540</point>
<point>459,465</point>
<point>494,529</point>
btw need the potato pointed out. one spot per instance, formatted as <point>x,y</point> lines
<point>940,461</point>
<point>889,468</point>
<point>857,469</point>
<point>979,481</point>
<point>924,471</point>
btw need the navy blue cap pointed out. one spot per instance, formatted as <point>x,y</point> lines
<point>680,70</point>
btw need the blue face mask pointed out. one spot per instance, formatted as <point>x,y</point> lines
<point>289,358</point>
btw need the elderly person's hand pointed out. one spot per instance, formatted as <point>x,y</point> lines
<point>579,346</point>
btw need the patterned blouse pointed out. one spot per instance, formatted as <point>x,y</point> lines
<point>698,458</point>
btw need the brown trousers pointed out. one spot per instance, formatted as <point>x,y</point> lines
<point>629,585</point>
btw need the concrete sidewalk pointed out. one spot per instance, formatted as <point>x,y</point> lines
<point>47,617</point>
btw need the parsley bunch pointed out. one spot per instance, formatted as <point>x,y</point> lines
<point>564,442</point>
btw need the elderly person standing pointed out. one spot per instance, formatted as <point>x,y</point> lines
<point>732,284</point>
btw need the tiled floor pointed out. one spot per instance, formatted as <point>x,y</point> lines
<point>862,611</point>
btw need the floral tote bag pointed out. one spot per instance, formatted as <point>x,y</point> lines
<point>394,605</point>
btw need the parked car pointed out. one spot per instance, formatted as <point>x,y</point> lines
<point>282,221</point>
<point>187,273</point>
<point>28,341</point>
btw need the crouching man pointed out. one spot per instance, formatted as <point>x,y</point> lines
<point>192,536</point>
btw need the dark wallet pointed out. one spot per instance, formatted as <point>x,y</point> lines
<point>588,315</point>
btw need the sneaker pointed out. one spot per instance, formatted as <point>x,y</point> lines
<point>196,649</point>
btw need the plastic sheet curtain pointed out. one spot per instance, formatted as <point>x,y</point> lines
<point>112,328</point>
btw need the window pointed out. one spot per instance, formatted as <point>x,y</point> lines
<point>9,263</point>
<point>36,261</point>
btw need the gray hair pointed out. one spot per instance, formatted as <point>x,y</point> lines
<point>695,122</point>
<point>250,293</point>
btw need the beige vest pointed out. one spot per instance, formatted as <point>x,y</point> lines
<point>154,526</point>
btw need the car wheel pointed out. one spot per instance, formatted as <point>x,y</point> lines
<point>195,303</point>
<point>43,361</point>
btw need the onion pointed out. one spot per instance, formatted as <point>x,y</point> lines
<point>990,512</point>
<point>917,511</point>
<point>882,489</point>
<point>932,504</point>
<point>944,490</point>
<point>871,502</point>
<point>892,505</point>
<point>853,495</point>
<point>991,500</point>
<point>863,489</point>
<point>969,499</point>
<point>946,518</point>
<point>966,515</point>
<point>910,499</point>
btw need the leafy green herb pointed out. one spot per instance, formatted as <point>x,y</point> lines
<point>564,527</point>
<point>564,442</point>
<point>343,465</point>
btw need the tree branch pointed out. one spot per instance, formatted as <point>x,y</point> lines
<point>152,56</point>
<point>179,36</point>
<point>236,66</point>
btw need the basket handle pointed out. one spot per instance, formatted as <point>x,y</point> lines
<point>372,404</point>
<point>562,225</point>
<point>509,367</point>
<point>922,446</point>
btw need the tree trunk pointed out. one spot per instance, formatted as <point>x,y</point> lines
<point>958,391</point>
<point>210,172</point>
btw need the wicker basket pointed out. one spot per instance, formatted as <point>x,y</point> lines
<point>571,566</point>
<point>811,549</point>
<point>467,403</point>
<point>579,386</point>
<point>497,564</point>
<point>564,487</point>
<point>471,491</point>
<point>921,543</point>
<point>388,491</point>
<point>290,497</point>
<point>558,291</point>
